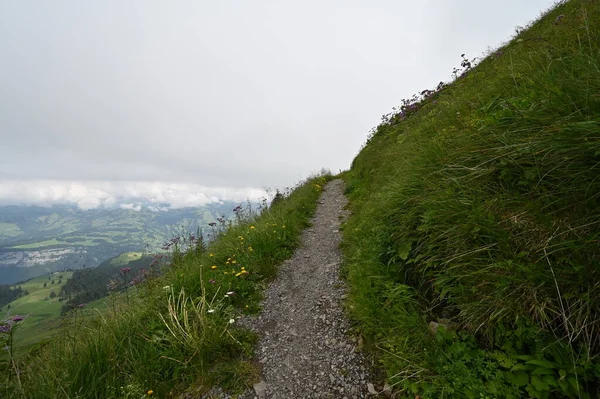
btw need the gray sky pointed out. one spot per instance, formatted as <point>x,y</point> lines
<point>215,95</point>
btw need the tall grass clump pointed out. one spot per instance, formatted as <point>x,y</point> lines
<point>176,334</point>
<point>473,252</point>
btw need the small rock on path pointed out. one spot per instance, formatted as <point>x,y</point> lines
<point>305,350</point>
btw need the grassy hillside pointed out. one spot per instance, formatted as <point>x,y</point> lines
<point>473,250</point>
<point>41,308</point>
<point>177,333</point>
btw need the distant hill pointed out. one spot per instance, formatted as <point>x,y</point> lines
<point>38,240</point>
<point>43,299</point>
<point>115,274</point>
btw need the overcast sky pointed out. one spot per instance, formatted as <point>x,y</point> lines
<point>106,99</point>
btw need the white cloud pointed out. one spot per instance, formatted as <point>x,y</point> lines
<point>130,194</point>
<point>222,93</point>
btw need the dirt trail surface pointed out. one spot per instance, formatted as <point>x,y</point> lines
<point>305,350</point>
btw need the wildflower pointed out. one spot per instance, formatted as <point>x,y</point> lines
<point>283,226</point>
<point>241,238</point>
<point>211,311</point>
<point>233,261</point>
<point>166,288</point>
<point>212,281</point>
<point>125,270</point>
<point>252,227</point>
<point>81,305</point>
<point>231,293</point>
<point>211,255</point>
<point>150,392</point>
<point>213,267</point>
<point>18,318</point>
<point>250,249</point>
<point>5,328</point>
<point>231,321</point>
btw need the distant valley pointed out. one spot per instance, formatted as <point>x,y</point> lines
<point>37,240</point>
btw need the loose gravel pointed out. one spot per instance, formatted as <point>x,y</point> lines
<point>305,350</point>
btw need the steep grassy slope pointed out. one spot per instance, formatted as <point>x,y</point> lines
<point>477,209</point>
<point>177,333</point>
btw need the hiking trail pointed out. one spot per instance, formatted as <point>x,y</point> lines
<point>305,350</point>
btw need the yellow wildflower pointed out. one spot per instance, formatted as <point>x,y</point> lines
<point>283,226</point>
<point>252,227</point>
<point>250,249</point>
<point>213,267</point>
<point>150,392</point>
<point>233,261</point>
<point>211,255</point>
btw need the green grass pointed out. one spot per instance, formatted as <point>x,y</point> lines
<point>42,312</point>
<point>479,210</point>
<point>125,258</point>
<point>176,333</point>
<point>40,244</point>
<point>9,230</point>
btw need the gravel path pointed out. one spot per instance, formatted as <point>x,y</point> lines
<point>305,350</point>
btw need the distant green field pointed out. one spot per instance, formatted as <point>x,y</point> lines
<point>40,244</point>
<point>41,311</point>
<point>9,230</point>
<point>125,258</point>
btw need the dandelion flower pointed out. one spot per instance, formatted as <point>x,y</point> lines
<point>233,261</point>
<point>150,392</point>
<point>211,255</point>
<point>252,227</point>
<point>213,267</point>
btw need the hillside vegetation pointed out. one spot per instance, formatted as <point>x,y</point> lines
<point>473,249</point>
<point>177,333</point>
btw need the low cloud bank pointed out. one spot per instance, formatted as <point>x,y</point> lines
<point>125,194</point>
